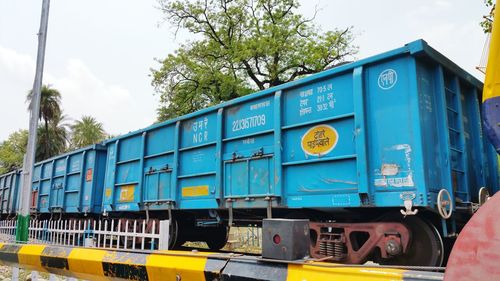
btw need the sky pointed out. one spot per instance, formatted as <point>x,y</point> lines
<point>99,53</point>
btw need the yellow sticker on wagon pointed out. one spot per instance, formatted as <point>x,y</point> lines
<point>192,191</point>
<point>319,140</point>
<point>127,193</point>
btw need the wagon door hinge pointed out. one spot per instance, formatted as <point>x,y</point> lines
<point>408,204</point>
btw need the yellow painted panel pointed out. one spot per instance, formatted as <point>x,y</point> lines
<point>108,192</point>
<point>127,193</point>
<point>191,191</point>
<point>319,140</point>
<point>316,273</point>
<point>29,257</point>
<point>1,261</point>
<point>86,263</point>
<point>167,267</point>
<point>492,80</point>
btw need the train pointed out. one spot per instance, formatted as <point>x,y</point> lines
<point>386,156</point>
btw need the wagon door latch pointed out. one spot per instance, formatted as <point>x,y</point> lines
<point>235,156</point>
<point>407,198</point>
<point>258,153</point>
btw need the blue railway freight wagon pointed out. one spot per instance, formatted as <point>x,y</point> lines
<point>394,139</point>
<point>9,189</point>
<point>69,183</point>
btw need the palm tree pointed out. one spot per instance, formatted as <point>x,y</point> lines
<point>50,104</point>
<point>87,131</point>
<point>52,138</point>
<point>53,134</point>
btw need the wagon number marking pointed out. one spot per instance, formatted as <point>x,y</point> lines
<point>249,122</point>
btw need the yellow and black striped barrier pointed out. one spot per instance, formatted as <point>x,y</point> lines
<point>100,264</point>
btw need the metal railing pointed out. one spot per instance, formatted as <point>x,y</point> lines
<point>109,234</point>
<point>246,239</point>
<point>125,234</point>
<point>251,235</point>
<point>8,230</point>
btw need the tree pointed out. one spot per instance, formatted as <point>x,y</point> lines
<point>244,46</point>
<point>86,131</point>
<point>12,151</point>
<point>52,135</point>
<point>487,23</point>
<point>50,104</point>
<point>53,139</point>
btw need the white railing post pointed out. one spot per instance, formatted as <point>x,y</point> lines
<point>15,274</point>
<point>164,235</point>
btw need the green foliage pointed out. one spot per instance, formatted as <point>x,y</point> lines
<point>487,23</point>
<point>52,136</point>
<point>243,46</point>
<point>50,103</point>
<point>53,133</point>
<point>53,139</point>
<point>187,85</point>
<point>12,151</point>
<point>86,131</point>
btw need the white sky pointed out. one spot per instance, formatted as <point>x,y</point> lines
<point>99,52</point>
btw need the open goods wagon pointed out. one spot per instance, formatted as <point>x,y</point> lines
<point>395,138</point>
<point>9,188</point>
<point>70,183</point>
<point>385,156</point>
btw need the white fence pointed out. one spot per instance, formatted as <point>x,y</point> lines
<point>125,234</point>
<point>8,231</point>
<point>110,233</point>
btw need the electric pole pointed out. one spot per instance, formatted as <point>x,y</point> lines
<point>23,216</point>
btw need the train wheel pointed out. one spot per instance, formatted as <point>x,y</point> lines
<point>174,239</point>
<point>217,237</point>
<point>426,246</point>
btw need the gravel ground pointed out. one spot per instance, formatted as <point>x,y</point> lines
<point>25,275</point>
<point>241,240</point>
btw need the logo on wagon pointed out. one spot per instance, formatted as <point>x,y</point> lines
<point>387,79</point>
<point>319,140</point>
